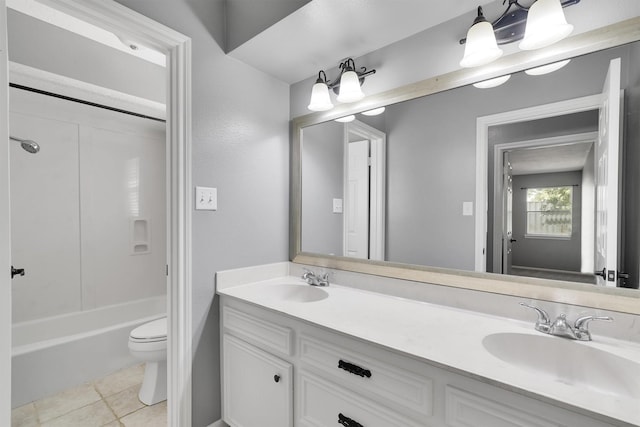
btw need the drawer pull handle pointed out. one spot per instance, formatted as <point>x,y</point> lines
<point>348,422</point>
<point>354,369</point>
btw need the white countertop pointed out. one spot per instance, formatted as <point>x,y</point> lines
<point>443,336</point>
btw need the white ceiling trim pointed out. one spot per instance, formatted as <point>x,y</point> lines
<point>55,17</point>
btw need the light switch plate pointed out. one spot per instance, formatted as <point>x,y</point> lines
<point>337,205</point>
<point>206,199</point>
<point>467,208</point>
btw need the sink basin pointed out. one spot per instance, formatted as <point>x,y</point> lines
<point>296,293</point>
<point>567,361</point>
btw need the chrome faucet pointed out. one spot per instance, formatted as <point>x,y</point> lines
<point>561,327</point>
<point>314,279</point>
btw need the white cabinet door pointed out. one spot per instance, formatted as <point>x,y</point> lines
<point>257,387</point>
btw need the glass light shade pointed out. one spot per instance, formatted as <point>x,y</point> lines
<point>374,112</point>
<point>486,84</point>
<point>346,119</point>
<point>546,69</point>
<point>350,90</point>
<point>320,99</point>
<point>481,47</point>
<point>546,25</point>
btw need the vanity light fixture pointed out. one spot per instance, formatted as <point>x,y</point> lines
<point>374,112</point>
<point>347,86</point>
<point>486,84</point>
<point>346,119</point>
<point>546,69</point>
<point>538,26</point>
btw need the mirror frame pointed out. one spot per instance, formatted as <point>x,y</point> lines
<point>614,299</point>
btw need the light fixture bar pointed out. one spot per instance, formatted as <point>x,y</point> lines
<point>349,63</point>
<point>347,86</point>
<point>510,26</point>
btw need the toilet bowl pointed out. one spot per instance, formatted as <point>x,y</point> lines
<point>148,343</point>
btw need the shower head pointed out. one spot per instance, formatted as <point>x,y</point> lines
<point>27,144</point>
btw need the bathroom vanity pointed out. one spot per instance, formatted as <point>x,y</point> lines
<point>299,355</point>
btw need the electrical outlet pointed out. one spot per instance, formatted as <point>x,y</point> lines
<point>206,199</point>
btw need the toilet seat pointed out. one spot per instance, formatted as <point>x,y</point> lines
<point>153,331</point>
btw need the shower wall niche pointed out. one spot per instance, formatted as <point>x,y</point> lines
<point>88,210</point>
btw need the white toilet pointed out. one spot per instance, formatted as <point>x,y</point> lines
<point>148,343</point>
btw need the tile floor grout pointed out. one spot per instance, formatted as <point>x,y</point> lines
<point>111,401</point>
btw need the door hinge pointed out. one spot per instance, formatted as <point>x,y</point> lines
<point>369,161</point>
<point>167,270</point>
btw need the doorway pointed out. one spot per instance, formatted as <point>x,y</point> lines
<point>120,20</point>
<point>552,211</point>
<point>364,191</point>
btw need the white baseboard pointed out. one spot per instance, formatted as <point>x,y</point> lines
<point>218,423</point>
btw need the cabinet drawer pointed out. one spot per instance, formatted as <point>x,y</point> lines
<point>364,374</point>
<point>258,331</point>
<point>323,404</point>
<point>466,409</point>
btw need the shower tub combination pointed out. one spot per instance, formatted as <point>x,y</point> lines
<point>59,352</point>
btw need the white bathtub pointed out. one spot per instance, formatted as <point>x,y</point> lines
<point>55,353</point>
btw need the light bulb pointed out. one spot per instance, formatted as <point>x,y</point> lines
<point>374,112</point>
<point>486,84</point>
<point>481,47</point>
<point>350,90</point>
<point>346,119</point>
<point>320,99</point>
<point>546,25</point>
<point>546,69</point>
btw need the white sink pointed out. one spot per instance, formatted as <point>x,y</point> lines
<point>567,361</point>
<point>296,292</point>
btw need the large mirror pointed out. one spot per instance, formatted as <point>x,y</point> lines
<point>508,180</point>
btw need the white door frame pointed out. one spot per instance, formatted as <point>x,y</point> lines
<point>483,123</point>
<point>377,184</point>
<point>5,231</point>
<point>121,20</point>
<point>498,151</point>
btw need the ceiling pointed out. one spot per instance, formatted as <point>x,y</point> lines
<point>293,39</point>
<point>321,33</point>
<point>556,158</point>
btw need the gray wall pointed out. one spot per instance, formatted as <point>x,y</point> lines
<point>322,179</point>
<point>46,47</point>
<point>240,146</point>
<point>556,254</point>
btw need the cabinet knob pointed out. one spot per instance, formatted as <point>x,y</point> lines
<point>276,378</point>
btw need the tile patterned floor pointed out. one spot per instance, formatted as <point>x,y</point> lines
<point>111,401</point>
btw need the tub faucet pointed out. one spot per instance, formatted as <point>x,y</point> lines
<point>561,327</point>
<point>314,279</point>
